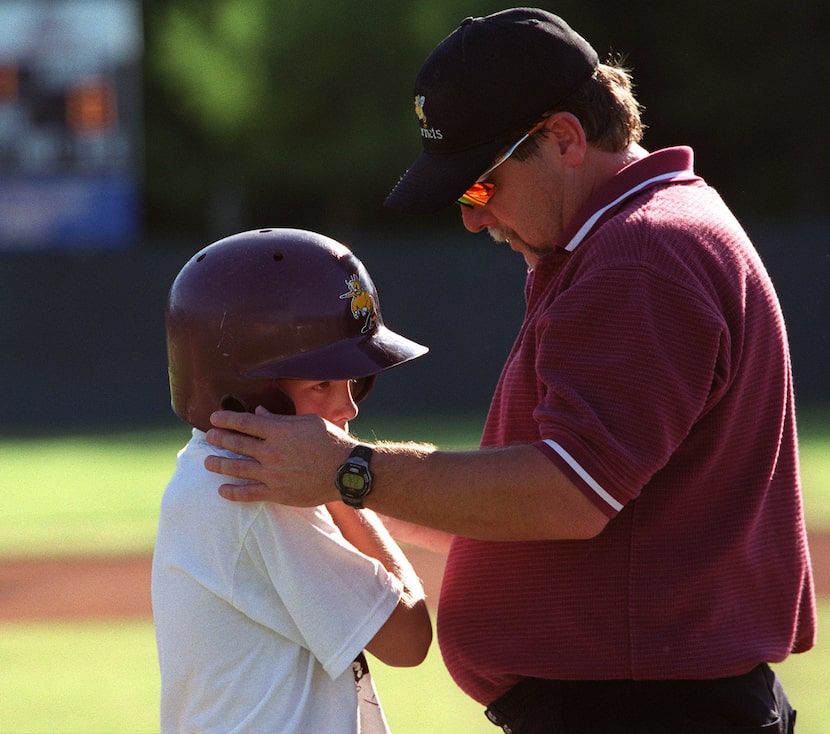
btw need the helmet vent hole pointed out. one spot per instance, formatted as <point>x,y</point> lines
<point>278,257</point>
<point>201,257</point>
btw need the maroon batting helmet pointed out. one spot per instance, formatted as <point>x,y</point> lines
<point>269,304</point>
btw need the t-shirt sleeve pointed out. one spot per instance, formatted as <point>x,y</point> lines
<point>299,576</point>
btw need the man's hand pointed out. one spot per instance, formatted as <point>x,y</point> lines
<point>292,460</point>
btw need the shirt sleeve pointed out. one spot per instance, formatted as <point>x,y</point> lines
<point>628,359</point>
<point>299,576</point>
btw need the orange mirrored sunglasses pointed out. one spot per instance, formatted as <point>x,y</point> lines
<point>478,194</point>
<point>482,191</point>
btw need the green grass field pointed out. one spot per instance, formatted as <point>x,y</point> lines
<point>98,678</point>
<point>100,494</point>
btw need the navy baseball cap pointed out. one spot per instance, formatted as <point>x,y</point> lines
<point>490,79</point>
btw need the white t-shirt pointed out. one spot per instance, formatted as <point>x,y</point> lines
<point>260,611</point>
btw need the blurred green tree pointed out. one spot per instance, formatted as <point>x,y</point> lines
<point>292,111</point>
<point>298,112</point>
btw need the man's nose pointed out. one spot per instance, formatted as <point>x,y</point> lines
<point>475,218</point>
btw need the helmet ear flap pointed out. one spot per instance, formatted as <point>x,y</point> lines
<point>362,387</point>
<point>274,401</point>
<point>234,403</point>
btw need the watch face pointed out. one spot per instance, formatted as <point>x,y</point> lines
<point>352,481</point>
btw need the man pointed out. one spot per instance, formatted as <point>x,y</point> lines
<point>628,548</point>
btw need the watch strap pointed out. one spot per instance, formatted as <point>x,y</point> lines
<point>362,451</point>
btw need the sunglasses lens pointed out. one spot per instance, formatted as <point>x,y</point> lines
<point>477,195</point>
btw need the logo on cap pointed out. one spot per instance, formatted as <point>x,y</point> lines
<point>362,303</point>
<point>419,108</point>
<point>426,131</point>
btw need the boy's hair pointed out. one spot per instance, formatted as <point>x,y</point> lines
<point>269,304</point>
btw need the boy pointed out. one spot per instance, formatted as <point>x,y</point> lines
<point>262,612</point>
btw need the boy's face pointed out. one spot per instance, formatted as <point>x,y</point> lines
<point>330,399</point>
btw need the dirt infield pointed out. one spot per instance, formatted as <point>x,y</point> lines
<point>113,588</point>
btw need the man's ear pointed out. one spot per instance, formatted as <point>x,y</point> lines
<point>568,132</point>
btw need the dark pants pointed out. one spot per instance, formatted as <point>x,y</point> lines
<point>754,703</point>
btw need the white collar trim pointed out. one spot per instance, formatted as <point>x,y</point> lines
<point>583,231</point>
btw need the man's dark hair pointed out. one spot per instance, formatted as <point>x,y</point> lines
<point>606,107</point>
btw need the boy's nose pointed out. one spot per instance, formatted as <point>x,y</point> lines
<point>347,409</point>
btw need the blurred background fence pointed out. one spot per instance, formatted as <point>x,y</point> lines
<point>83,336</point>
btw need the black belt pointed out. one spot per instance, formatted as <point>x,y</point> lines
<point>753,703</point>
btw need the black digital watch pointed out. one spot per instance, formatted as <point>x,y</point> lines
<point>354,480</point>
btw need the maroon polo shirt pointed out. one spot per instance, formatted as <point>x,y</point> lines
<point>652,368</point>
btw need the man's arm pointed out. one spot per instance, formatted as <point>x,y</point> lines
<point>511,493</point>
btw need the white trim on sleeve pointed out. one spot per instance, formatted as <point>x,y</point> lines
<point>587,478</point>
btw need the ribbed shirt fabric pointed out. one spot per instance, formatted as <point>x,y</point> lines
<point>653,369</point>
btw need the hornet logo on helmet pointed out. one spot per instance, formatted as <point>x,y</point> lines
<point>363,303</point>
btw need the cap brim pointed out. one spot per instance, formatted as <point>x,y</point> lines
<point>435,181</point>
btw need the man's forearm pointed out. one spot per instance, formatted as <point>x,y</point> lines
<point>499,494</point>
